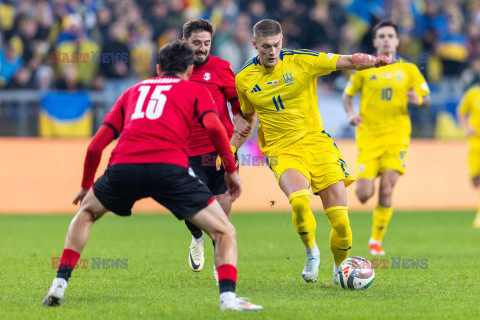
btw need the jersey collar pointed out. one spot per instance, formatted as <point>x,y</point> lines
<point>268,70</point>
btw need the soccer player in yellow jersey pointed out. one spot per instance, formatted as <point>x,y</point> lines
<point>469,117</point>
<point>383,125</point>
<point>280,86</point>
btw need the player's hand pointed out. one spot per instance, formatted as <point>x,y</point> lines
<point>81,194</point>
<point>413,97</point>
<point>241,126</point>
<point>234,185</point>
<point>383,60</point>
<point>354,119</point>
<point>469,131</point>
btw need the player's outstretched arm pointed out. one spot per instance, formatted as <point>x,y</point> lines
<point>250,119</point>
<point>353,118</point>
<point>219,138</point>
<point>100,141</point>
<point>362,61</point>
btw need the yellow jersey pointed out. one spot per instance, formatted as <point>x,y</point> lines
<point>285,96</point>
<point>470,105</point>
<point>383,102</point>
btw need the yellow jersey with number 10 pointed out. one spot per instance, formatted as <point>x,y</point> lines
<point>383,102</point>
<point>285,96</point>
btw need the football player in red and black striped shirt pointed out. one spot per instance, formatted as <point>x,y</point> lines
<point>155,118</point>
<point>217,76</point>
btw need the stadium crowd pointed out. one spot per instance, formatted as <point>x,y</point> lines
<point>119,38</point>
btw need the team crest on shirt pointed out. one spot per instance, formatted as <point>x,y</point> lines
<point>399,75</point>
<point>207,76</point>
<point>287,77</point>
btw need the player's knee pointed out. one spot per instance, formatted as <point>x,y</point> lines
<point>226,230</point>
<point>385,191</point>
<point>363,194</point>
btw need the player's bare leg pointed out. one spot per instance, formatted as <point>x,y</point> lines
<point>215,223</point>
<point>90,211</point>
<point>295,186</point>
<point>196,256</point>
<point>226,203</point>
<point>365,189</point>
<point>383,212</point>
<point>334,199</point>
<point>476,184</point>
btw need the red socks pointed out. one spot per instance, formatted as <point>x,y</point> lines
<point>227,277</point>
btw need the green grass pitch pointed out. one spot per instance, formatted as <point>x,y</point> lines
<point>158,284</point>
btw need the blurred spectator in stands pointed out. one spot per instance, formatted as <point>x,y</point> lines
<point>452,42</point>
<point>175,17</point>
<point>116,44</point>
<point>44,18</point>
<point>75,40</point>
<point>27,31</point>
<point>238,49</point>
<point>211,11</point>
<point>257,11</point>
<point>44,78</point>
<point>325,22</point>
<point>471,76</point>
<point>21,80</point>
<point>156,16</point>
<point>7,16</point>
<point>143,51</point>
<point>404,15</point>
<point>10,60</point>
<point>69,80</point>
<point>290,14</point>
<point>100,31</point>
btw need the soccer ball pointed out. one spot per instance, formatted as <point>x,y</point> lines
<point>356,273</point>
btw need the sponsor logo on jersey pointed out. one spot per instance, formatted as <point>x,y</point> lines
<point>256,89</point>
<point>207,76</point>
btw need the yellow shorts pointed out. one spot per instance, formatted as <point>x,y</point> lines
<point>316,157</point>
<point>474,163</point>
<point>373,161</point>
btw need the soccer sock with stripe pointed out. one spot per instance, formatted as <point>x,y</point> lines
<point>302,217</point>
<point>227,278</point>
<point>194,230</point>
<point>341,233</point>
<point>68,261</point>
<point>381,217</point>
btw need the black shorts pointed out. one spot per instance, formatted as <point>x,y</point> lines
<point>173,186</point>
<point>205,168</point>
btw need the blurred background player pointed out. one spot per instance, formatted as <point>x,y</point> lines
<point>217,76</point>
<point>280,85</point>
<point>469,117</point>
<point>150,160</point>
<point>383,125</point>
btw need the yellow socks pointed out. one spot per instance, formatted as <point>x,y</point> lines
<point>341,234</point>
<point>303,219</point>
<point>381,217</point>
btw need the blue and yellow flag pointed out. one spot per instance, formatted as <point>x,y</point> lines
<point>65,114</point>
